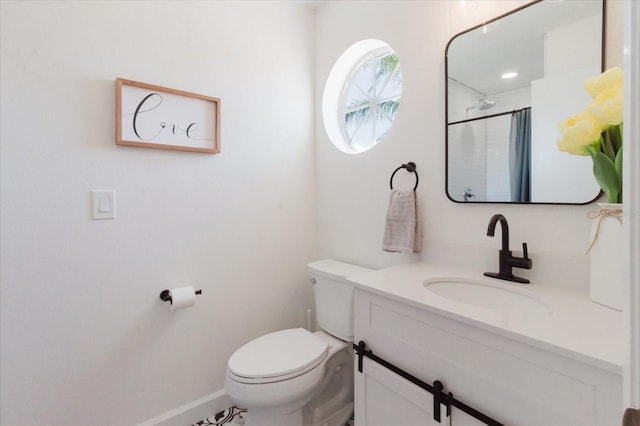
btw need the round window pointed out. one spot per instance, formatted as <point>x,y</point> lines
<point>361,96</point>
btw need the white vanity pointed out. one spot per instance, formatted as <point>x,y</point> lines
<point>521,354</point>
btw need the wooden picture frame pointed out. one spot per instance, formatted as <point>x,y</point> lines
<point>158,117</point>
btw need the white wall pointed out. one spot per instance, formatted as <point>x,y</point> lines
<point>560,95</point>
<point>631,167</point>
<point>353,190</point>
<point>85,338</point>
<point>558,42</point>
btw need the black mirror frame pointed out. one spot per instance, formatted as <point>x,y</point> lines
<point>446,103</point>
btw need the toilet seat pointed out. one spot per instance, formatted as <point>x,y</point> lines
<point>277,356</point>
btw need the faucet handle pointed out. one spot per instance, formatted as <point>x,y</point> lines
<point>524,262</point>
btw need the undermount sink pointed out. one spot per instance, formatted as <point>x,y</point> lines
<point>486,294</point>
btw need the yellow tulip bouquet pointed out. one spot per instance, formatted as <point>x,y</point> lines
<point>597,131</point>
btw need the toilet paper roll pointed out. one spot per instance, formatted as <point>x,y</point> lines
<point>182,297</point>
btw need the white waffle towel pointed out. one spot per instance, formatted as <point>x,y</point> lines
<point>402,230</point>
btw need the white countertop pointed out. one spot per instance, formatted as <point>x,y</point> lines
<point>571,324</point>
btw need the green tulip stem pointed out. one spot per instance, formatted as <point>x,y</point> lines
<point>608,146</point>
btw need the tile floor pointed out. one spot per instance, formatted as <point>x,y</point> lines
<point>232,416</point>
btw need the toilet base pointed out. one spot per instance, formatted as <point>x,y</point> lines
<point>269,418</point>
<point>333,404</point>
<point>300,417</point>
<point>339,418</point>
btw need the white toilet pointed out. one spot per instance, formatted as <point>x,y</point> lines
<point>295,377</point>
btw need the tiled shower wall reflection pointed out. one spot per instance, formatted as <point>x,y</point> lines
<point>479,150</point>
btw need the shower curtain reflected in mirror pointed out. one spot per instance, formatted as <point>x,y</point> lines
<point>520,156</point>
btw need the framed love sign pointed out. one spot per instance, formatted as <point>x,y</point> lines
<point>158,117</point>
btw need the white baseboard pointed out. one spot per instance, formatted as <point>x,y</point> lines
<point>192,412</point>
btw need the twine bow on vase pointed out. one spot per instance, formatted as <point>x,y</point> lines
<point>599,215</point>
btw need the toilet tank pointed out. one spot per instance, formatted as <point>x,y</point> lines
<point>334,296</point>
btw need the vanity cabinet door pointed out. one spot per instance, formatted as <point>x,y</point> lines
<point>509,380</point>
<point>383,398</point>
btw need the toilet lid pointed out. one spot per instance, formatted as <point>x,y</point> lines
<point>283,353</point>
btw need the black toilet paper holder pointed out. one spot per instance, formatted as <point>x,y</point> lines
<point>166,296</point>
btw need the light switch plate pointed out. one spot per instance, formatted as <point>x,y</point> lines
<point>104,204</point>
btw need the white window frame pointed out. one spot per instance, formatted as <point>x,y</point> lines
<point>333,100</point>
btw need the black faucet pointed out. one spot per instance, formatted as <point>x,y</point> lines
<point>507,261</point>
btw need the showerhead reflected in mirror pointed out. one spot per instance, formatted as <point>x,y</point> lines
<point>482,104</point>
<point>507,90</point>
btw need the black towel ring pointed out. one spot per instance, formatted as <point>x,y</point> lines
<point>411,168</point>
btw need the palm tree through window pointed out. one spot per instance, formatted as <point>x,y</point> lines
<point>370,99</point>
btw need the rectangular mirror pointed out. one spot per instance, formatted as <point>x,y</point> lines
<point>509,82</point>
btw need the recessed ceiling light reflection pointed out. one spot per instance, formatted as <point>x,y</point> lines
<point>468,7</point>
<point>508,75</point>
